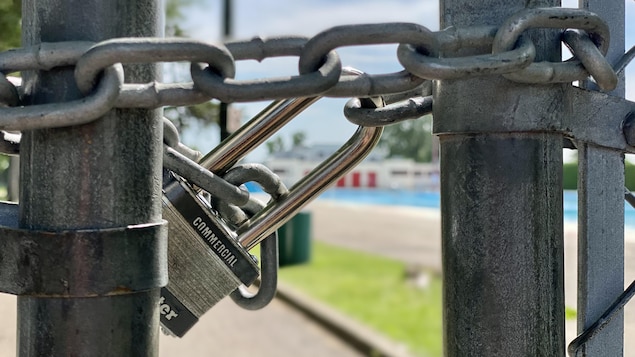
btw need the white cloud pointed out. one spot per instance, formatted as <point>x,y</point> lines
<point>310,17</point>
<point>267,18</point>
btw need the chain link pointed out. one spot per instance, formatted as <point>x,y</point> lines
<point>418,59</point>
<point>412,108</point>
<point>310,82</point>
<point>557,18</point>
<point>591,58</point>
<point>366,34</point>
<point>75,112</point>
<point>139,50</point>
<point>422,53</point>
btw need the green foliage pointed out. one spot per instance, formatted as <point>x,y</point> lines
<point>205,113</point>
<point>174,16</point>
<point>570,175</point>
<point>10,23</point>
<point>274,145</point>
<point>298,138</point>
<point>411,139</point>
<point>570,313</point>
<point>629,175</point>
<point>374,291</point>
<point>4,176</point>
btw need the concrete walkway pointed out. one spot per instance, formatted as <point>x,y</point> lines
<point>228,331</point>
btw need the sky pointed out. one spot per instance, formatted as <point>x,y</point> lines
<point>323,123</point>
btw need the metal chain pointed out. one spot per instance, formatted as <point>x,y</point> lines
<point>424,54</point>
<point>545,72</point>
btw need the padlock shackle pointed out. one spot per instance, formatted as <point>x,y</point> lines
<point>278,212</point>
<point>208,181</point>
<point>254,133</point>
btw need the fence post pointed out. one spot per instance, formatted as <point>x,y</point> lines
<point>501,203</point>
<point>101,175</point>
<point>601,214</point>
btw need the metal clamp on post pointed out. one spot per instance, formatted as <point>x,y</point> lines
<point>71,264</point>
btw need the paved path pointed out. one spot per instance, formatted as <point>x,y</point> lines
<point>227,331</point>
<point>413,235</point>
<point>276,331</point>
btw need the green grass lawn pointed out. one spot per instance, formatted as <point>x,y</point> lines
<point>373,290</point>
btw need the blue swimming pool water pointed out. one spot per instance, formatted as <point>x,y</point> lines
<point>433,200</point>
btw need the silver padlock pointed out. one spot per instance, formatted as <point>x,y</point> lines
<point>203,270</point>
<point>205,260</point>
<point>214,261</point>
<point>187,297</point>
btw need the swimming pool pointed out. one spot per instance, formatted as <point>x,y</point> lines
<point>433,200</point>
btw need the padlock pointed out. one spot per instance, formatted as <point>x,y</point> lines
<point>206,260</point>
<point>203,270</point>
<point>195,286</point>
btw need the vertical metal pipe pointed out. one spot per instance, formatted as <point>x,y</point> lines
<point>501,205</point>
<point>103,174</point>
<point>227,33</point>
<point>600,245</point>
<point>601,215</point>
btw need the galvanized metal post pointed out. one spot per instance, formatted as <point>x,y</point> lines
<point>601,215</point>
<point>501,203</point>
<point>101,175</point>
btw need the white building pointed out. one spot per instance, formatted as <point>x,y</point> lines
<point>373,172</point>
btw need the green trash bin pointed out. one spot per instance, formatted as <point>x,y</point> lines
<point>294,240</point>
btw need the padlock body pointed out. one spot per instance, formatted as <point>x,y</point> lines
<point>205,262</point>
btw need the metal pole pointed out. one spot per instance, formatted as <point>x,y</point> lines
<point>601,214</point>
<point>501,204</point>
<point>101,175</point>
<point>224,107</point>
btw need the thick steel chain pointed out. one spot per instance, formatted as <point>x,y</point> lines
<point>544,72</point>
<point>422,52</point>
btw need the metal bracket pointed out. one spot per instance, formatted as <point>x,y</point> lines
<point>579,114</point>
<point>72,264</point>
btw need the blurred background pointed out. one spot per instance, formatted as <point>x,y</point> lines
<point>361,267</point>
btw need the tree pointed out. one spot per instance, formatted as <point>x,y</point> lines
<point>10,27</point>
<point>173,16</point>
<point>275,145</point>
<point>411,139</point>
<point>10,24</point>
<point>205,113</point>
<point>298,138</point>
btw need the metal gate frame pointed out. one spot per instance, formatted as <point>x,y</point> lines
<point>501,167</point>
<point>100,179</point>
<point>501,199</point>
